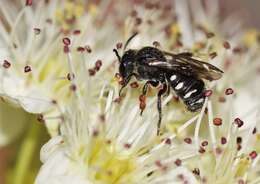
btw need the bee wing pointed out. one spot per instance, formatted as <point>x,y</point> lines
<point>185,64</point>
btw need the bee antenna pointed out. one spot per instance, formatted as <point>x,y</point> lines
<point>129,39</point>
<point>117,55</point>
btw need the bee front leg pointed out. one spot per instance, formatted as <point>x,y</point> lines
<point>142,97</point>
<point>159,106</point>
<point>126,80</point>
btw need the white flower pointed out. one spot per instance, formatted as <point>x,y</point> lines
<point>34,72</point>
<point>105,142</point>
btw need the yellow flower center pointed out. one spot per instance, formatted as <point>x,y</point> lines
<point>109,165</point>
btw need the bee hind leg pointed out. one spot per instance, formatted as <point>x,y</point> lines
<point>159,106</point>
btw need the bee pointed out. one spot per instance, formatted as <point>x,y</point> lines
<point>181,72</point>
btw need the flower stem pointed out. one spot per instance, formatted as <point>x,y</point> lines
<point>25,155</point>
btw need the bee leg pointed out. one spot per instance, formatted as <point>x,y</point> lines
<point>144,91</point>
<point>125,82</point>
<point>168,90</point>
<point>159,106</point>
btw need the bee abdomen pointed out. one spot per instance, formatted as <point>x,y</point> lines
<point>189,89</point>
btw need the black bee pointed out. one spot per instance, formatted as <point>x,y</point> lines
<point>180,71</point>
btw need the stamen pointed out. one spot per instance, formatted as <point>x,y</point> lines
<point>185,125</point>
<point>217,121</point>
<point>133,13</point>
<point>6,64</point>
<point>40,118</point>
<point>27,69</point>
<point>117,100</point>
<point>218,151</point>
<point>66,41</point>
<point>108,141</point>
<point>202,150</point>
<point>178,162</point>
<point>119,45</point>
<point>98,65</point>
<point>253,155</point>
<point>211,128</point>
<point>76,32</point>
<point>213,55</point>
<point>49,21</point>
<point>237,50</point>
<point>88,49</point>
<point>91,72</point>
<point>181,177</point>
<point>138,21</point>
<point>73,87</point>
<point>28,2</point>
<point>210,34</point>
<point>54,102</point>
<point>127,145</point>
<point>70,76</point>
<point>158,163</point>
<point>241,181</point>
<point>239,147</point>
<point>229,91</point>
<point>80,49</point>
<point>226,45</point>
<point>37,31</point>
<point>239,140</point>
<point>238,122</point>
<point>188,140</point>
<point>66,49</point>
<point>254,130</point>
<point>223,140</point>
<point>102,118</point>
<point>196,171</point>
<point>168,141</point>
<point>222,99</point>
<point>95,133</point>
<point>204,143</point>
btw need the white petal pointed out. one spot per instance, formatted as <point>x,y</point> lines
<point>57,165</point>
<point>50,147</point>
<point>34,102</point>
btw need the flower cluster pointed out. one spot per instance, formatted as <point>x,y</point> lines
<point>64,69</point>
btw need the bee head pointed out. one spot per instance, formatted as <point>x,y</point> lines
<point>127,61</point>
<point>126,67</point>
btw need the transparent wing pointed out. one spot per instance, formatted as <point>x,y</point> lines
<point>184,63</point>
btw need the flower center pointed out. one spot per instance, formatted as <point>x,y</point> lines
<point>108,165</point>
